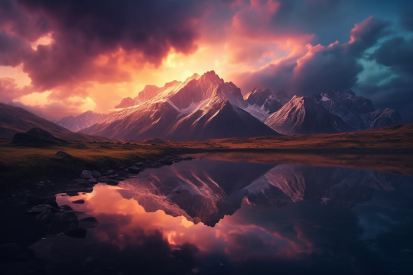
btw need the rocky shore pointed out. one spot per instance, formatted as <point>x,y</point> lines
<point>33,213</point>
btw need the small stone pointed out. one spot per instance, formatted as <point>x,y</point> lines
<point>86,174</point>
<point>109,172</point>
<point>72,193</point>
<point>96,174</point>
<point>66,207</point>
<point>76,232</point>
<point>65,156</point>
<point>134,170</point>
<point>62,221</point>
<point>103,179</point>
<point>123,174</point>
<point>112,182</point>
<point>79,201</point>
<point>40,208</point>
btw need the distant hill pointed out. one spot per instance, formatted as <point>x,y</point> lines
<point>14,120</point>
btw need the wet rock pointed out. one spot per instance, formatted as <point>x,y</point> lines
<point>41,208</point>
<point>37,137</point>
<point>96,174</point>
<point>93,181</point>
<point>65,156</point>
<point>72,193</point>
<point>103,179</point>
<point>134,170</point>
<point>109,172</point>
<point>45,216</point>
<point>79,188</point>
<point>62,221</point>
<point>76,232</point>
<point>79,201</point>
<point>66,207</point>
<point>112,182</point>
<point>86,174</point>
<point>33,200</point>
<point>89,222</point>
<point>123,174</point>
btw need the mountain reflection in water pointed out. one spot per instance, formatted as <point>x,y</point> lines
<point>224,217</point>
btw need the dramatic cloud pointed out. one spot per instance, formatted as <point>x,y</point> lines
<point>105,50</point>
<point>396,53</point>
<point>9,90</point>
<point>320,67</point>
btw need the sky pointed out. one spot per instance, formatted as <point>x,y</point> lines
<point>60,58</point>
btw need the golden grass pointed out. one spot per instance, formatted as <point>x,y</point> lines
<point>20,164</point>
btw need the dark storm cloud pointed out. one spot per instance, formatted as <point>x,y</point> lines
<point>84,30</point>
<point>322,68</point>
<point>396,53</point>
<point>395,89</point>
<point>406,19</point>
<point>13,49</point>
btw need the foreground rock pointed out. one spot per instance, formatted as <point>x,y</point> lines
<point>37,137</point>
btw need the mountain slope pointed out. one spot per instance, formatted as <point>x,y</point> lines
<point>302,115</point>
<point>382,118</point>
<point>81,121</point>
<point>263,102</point>
<point>15,119</point>
<point>221,119</point>
<point>202,107</point>
<point>357,111</point>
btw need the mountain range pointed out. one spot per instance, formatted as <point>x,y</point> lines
<point>207,107</point>
<point>16,120</point>
<point>207,190</point>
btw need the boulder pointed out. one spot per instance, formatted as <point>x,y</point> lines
<point>86,174</point>
<point>65,156</point>
<point>66,207</point>
<point>93,181</point>
<point>62,221</point>
<point>123,174</point>
<point>112,182</point>
<point>134,170</point>
<point>103,179</point>
<point>45,216</point>
<point>37,137</point>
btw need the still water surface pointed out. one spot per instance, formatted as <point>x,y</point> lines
<point>209,216</point>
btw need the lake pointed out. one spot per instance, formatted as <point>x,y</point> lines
<point>223,215</point>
